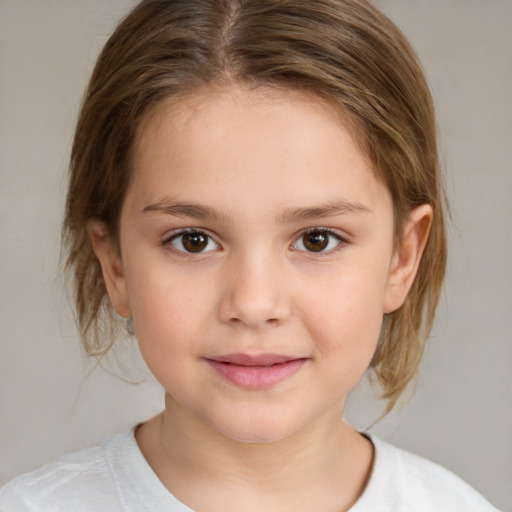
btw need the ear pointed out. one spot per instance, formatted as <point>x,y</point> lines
<point>111,265</point>
<point>407,257</point>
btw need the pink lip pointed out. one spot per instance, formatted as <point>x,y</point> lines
<point>256,372</point>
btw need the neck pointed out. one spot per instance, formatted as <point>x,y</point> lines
<point>323,467</point>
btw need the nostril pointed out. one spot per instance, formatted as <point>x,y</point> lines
<point>270,321</point>
<point>253,303</point>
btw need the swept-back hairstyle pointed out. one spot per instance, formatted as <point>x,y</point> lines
<point>342,51</point>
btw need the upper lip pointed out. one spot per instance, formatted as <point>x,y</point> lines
<point>254,360</point>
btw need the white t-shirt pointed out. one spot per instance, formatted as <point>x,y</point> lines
<point>117,478</point>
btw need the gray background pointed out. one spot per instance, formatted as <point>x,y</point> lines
<point>52,402</point>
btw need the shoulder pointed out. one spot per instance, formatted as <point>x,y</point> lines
<point>78,481</point>
<point>407,482</point>
<point>114,477</point>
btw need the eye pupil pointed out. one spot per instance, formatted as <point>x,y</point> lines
<point>316,241</point>
<point>194,242</point>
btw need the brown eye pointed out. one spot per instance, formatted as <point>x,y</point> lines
<point>318,240</point>
<point>315,242</point>
<point>193,242</point>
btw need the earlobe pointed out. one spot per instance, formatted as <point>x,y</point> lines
<point>407,257</point>
<point>111,266</point>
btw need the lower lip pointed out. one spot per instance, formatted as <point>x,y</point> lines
<point>257,377</point>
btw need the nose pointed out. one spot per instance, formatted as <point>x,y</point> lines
<point>254,293</point>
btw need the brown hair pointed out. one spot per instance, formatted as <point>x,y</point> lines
<point>344,51</point>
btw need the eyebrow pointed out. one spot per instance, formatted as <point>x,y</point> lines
<point>184,209</point>
<point>202,212</point>
<point>325,210</point>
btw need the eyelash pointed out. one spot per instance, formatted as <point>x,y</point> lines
<point>188,231</point>
<point>325,231</point>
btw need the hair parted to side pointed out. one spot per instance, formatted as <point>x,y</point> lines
<point>342,51</point>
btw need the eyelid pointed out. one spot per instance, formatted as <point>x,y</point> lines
<point>342,239</point>
<point>170,236</point>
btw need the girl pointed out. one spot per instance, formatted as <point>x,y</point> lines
<point>255,188</point>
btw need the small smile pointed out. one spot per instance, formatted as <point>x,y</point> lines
<point>256,372</point>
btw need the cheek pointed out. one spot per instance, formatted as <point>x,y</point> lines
<point>168,311</point>
<point>169,330</point>
<point>345,317</point>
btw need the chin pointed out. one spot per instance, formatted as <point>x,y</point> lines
<point>257,430</point>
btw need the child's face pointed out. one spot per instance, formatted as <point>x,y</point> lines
<point>290,261</point>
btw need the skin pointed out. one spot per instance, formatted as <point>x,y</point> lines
<point>262,166</point>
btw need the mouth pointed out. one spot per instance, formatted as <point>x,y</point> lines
<point>256,372</point>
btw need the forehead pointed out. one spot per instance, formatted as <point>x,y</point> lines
<point>269,144</point>
<point>210,108</point>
